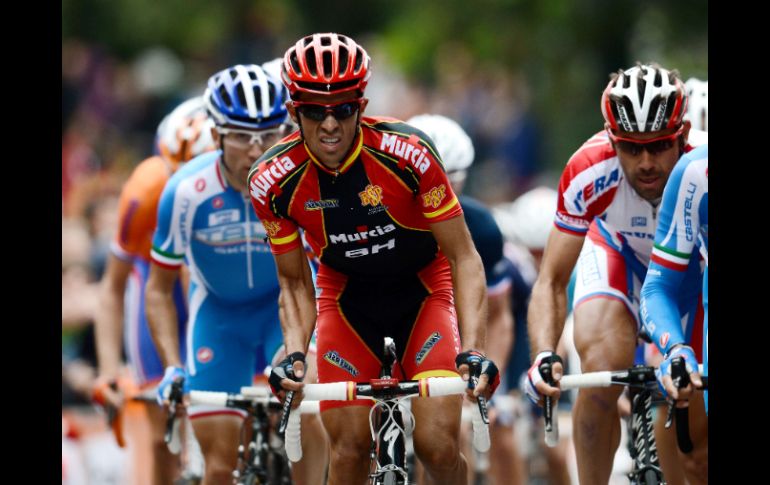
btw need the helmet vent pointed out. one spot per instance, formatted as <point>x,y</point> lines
<point>327,61</point>
<point>294,62</point>
<point>225,97</point>
<point>359,59</point>
<point>310,62</point>
<point>242,95</point>
<point>343,56</point>
<point>326,40</point>
<point>658,79</point>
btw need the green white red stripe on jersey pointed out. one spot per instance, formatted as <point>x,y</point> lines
<point>669,258</point>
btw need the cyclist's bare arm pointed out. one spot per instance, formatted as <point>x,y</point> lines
<point>470,290</point>
<point>296,303</point>
<point>468,280</point>
<point>108,321</point>
<point>500,325</point>
<point>161,314</point>
<point>547,309</point>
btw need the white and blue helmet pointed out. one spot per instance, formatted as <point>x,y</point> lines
<point>246,96</point>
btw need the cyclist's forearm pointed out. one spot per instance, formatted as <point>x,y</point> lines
<point>297,311</point>
<point>659,308</point>
<point>162,318</point>
<point>108,328</point>
<point>500,328</point>
<point>546,314</point>
<point>470,301</point>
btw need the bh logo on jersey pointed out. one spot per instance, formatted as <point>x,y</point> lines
<point>271,227</point>
<point>371,195</point>
<point>434,197</point>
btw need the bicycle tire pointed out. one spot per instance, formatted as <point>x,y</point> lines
<point>651,478</point>
<point>390,478</point>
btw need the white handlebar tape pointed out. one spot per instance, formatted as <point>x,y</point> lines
<point>208,398</point>
<point>445,386</point>
<point>480,431</point>
<point>333,391</point>
<point>293,442</point>
<point>590,379</point>
<point>175,445</point>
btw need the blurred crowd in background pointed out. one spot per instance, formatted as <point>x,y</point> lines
<point>523,78</point>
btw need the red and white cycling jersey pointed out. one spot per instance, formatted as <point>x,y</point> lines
<point>594,188</point>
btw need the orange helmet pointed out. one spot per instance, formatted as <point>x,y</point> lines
<point>325,64</point>
<point>185,133</point>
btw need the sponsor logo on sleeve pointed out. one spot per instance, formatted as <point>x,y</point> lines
<point>434,197</point>
<point>272,227</point>
<point>275,170</point>
<point>664,339</point>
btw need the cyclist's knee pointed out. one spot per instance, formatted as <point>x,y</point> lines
<point>345,453</point>
<point>441,452</point>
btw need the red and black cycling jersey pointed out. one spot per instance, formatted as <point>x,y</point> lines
<point>368,219</point>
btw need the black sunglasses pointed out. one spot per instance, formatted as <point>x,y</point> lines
<point>653,147</point>
<point>318,112</point>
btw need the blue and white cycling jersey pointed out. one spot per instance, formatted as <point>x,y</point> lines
<point>683,226</point>
<point>233,296</point>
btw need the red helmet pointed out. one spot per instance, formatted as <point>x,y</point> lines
<point>325,64</point>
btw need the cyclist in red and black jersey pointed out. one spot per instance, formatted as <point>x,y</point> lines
<point>396,258</point>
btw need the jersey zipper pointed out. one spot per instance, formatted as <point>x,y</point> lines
<point>248,242</point>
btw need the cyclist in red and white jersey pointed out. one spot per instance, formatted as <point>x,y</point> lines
<point>609,191</point>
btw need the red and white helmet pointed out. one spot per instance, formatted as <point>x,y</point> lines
<point>643,99</point>
<point>325,64</point>
<point>185,133</point>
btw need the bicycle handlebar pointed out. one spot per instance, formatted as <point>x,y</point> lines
<point>638,376</point>
<point>383,389</point>
<point>248,397</point>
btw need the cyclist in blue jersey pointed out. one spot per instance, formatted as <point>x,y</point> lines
<point>683,228</point>
<point>205,221</point>
<point>457,152</point>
